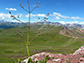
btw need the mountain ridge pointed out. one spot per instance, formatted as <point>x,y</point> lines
<point>7,25</point>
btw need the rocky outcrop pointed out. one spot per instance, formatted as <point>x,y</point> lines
<point>40,56</point>
<point>76,57</point>
<point>79,51</point>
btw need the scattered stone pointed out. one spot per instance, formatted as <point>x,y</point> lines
<point>82,59</point>
<point>25,61</point>
<point>55,60</point>
<point>36,59</point>
<point>60,54</point>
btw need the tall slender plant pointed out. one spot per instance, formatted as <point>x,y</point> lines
<point>28,33</point>
<point>28,25</point>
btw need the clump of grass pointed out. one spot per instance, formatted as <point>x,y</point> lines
<point>45,60</point>
<point>79,53</point>
<point>83,56</point>
<point>30,60</point>
<point>18,61</point>
<point>67,61</point>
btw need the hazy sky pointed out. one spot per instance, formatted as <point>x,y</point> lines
<point>60,10</point>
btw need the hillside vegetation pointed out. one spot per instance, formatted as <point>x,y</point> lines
<point>49,39</point>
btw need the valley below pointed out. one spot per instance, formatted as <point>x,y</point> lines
<point>48,38</point>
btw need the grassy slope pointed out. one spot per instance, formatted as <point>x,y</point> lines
<point>13,47</point>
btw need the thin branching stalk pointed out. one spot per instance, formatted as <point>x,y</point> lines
<point>34,37</point>
<point>28,33</point>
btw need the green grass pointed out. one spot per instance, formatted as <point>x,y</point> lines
<point>12,46</point>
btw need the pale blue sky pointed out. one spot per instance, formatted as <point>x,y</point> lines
<point>60,10</point>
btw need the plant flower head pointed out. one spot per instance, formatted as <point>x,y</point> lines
<point>9,12</point>
<point>18,16</point>
<point>38,17</point>
<point>12,16</point>
<point>48,14</point>
<point>38,3</point>
<point>20,5</point>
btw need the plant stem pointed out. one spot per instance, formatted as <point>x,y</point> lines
<point>28,37</point>
<point>28,34</point>
<point>29,28</point>
<point>27,46</point>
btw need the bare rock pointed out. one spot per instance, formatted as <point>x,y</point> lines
<point>79,51</point>
<point>55,60</point>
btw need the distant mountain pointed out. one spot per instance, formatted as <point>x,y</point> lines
<point>69,25</point>
<point>74,25</point>
<point>2,21</point>
<point>7,25</point>
<point>51,23</point>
